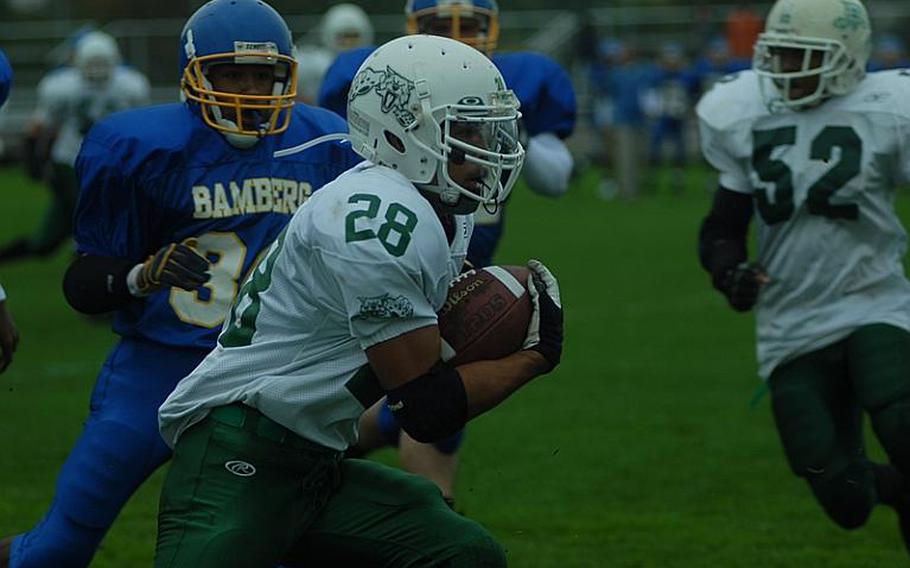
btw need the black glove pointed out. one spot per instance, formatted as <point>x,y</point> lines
<point>545,330</point>
<point>176,264</point>
<point>741,285</point>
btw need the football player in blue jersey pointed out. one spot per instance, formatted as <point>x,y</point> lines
<point>177,202</point>
<point>9,334</point>
<point>548,117</point>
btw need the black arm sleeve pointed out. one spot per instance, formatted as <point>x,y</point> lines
<point>97,284</point>
<point>722,237</point>
<point>433,406</point>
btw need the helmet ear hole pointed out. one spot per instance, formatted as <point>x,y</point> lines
<point>394,141</point>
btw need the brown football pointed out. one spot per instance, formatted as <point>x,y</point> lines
<point>486,314</point>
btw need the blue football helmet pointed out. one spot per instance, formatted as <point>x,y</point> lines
<point>239,32</point>
<point>474,22</point>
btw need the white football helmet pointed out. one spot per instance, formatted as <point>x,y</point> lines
<point>346,26</point>
<point>407,97</point>
<point>835,39</point>
<point>96,56</point>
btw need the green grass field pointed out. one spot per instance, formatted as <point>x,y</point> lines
<point>642,450</point>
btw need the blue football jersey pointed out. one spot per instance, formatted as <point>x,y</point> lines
<point>6,77</point>
<point>158,175</point>
<point>542,85</point>
<point>333,93</point>
<point>544,89</point>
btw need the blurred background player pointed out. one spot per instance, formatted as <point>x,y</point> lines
<point>343,27</point>
<point>889,53</point>
<point>817,148</point>
<point>9,334</point>
<point>666,102</point>
<point>716,62</point>
<point>548,117</point>
<point>619,82</point>
<point>742,26</point>
<point>70,100</point>
<point>177,202</point>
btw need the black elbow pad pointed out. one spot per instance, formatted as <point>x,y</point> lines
<point>97,284</point>
<point>433,406</point>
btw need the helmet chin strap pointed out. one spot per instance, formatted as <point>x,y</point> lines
<point>449,195</point>
<point>241,141</point>
<point>235,139</point>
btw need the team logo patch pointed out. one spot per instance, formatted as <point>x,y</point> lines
<point>385,306</point>
<point>189,47</point>
<point>255,52</point>
<point>394,89</point>
<point>471,101</point>
<point>240,468</point>
<point>255,46</point>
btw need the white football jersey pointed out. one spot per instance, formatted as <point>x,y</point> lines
<point>365,260</point>
<point>823,182</point>
<point>70,104</point>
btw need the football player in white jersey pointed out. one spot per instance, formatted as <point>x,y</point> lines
<point>70,101</point>
<point>342,311</point>
<point>816,147</point>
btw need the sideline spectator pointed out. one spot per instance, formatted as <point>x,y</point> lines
<point>889,53</point>
<point>620,81</point>
<point>743,27</point>
<point>666,103</point>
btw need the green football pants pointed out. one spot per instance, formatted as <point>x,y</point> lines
<point>818,401</point>
<point>242,491</point>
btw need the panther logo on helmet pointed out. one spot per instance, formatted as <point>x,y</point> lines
<point>853,18</point>
<point>392,87</point>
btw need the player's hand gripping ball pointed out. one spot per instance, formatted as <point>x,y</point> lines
<point>545,332</point>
